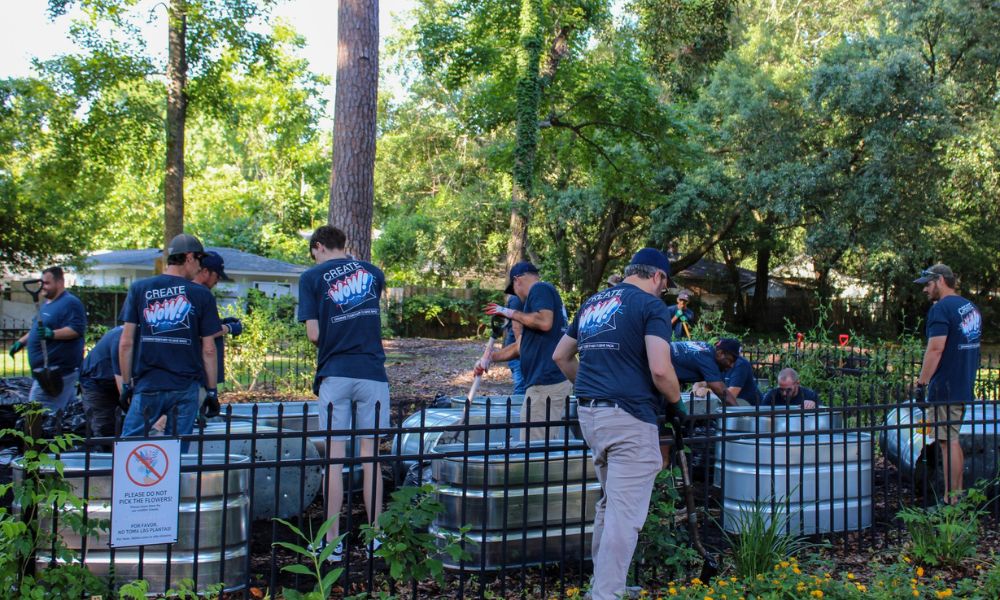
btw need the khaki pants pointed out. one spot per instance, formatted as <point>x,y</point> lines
<point>627,460</point>
<point>943,413</point>
<point>546,403</point>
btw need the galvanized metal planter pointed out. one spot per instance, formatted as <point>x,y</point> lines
<point>908,442</point>
<point>216,513</point>
<point>524,508</point>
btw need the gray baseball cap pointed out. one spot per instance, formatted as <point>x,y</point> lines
<point>184,243</point>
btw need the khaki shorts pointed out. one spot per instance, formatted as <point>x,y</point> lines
<point>942,413</point>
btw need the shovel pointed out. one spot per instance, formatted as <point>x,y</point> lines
<point>710,566</point>
<point>496,332</point>
<point>48,377</point>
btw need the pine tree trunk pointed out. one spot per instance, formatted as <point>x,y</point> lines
<point>352,181</point>
<point>526,143</point>
<point>173,183</point>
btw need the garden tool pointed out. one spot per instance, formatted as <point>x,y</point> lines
<point>710,565</point>
<point>48,377</point>
<point>496,332</point>
<point>687,332</point>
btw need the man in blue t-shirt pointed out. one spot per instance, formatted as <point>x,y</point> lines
<point>681,317</point>
<point>739,377</point>
<point>700,362</point>
<point>951,360</point>
<point>100,378</point>
<point>167,346</point>
<point>339,303</point>
<point>790,393</point>
<point>624,370</point>
<point>512,332</point>
<point>213,270</point>
<point>543,320</point>
<point>62,325</point>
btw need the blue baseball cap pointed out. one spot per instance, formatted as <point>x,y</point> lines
<point>651,257</point>
<point>729,346</point>
<point>516,271</point>
<point>214,263</point>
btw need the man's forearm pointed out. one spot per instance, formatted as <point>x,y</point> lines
<point>932,358</point>
<point>65,333</point>
<point>208,355</point>
<point>540,321</point>
<point>507,353</point>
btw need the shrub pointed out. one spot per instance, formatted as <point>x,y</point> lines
<point>946,534</point>
<point>761,542</point>
<point>661,541</point>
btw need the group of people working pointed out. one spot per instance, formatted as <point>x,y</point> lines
<point>617,356</point>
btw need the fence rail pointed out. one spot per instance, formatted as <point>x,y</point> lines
<point>840,473</point>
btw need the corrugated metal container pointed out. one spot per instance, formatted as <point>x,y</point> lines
<point>815,483</point>
<point>408,443</point>
<point>298,484</point>
<point>222,517</point>
<point>908,442</point>
<point>515,401</point>
<point>524,508</point>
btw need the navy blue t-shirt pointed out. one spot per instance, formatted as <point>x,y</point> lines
<point>172,314</point>
<point>959,319</point>
<point>64,311</point>
<point>774,397</point>
<point>694,361</point>
<point>513,303</point>
<point>343,296</point>
<point>741,375</point>
<point>101,363</point>
<point>611,329</point>
<point>537,347</point>
<point>679,325</point>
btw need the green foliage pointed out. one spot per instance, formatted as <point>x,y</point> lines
<point>134,590</point>
<point>187,590</point>
<point>407,548</point>
<point>761,542</point>
<point>947,534</point>
<point>41,491</point>
<point>324,582</point>
<point>661,541</point>
<point>270,335</point>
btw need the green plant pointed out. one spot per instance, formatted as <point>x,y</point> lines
<point>187,590</point>
<point>324,583</point>
<point>946,534</point>
<point>134,590</point>
<point>41,491</point>
<point>761,542</point>
<point>407,548</point>
<point>660,539</point>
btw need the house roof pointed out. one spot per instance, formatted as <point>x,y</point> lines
<point>237,261</point>
<point>709,270</point>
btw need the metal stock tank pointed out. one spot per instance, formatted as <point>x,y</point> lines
<point>907,440</point>
<point>798,470</point>
<point>527,506</point>
<point>220,521</point>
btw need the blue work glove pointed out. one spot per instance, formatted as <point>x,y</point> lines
<point>679,313</point>
<point>684,319</point>
<point>47,333</point>
<point>235,325</point>
<point>125,397</point>
<point>15,348</point>
<point>211,408</point>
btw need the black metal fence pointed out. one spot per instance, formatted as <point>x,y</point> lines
<point>519,512</point>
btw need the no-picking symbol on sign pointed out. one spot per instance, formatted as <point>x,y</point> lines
<point>145,497</point>
<point>147,465</point>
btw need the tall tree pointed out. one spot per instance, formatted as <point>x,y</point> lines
<point>173,181</point>
<point>528,92</point>
<point>352,181</point>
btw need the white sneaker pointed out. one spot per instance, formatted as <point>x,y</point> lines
<point>335,557</point>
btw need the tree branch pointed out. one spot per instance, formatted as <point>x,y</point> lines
<point>703,248</point>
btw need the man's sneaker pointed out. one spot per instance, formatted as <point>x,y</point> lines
<point>335,557</point>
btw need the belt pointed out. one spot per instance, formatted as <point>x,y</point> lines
<point>592,403</point>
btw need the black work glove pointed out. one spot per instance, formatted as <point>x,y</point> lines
<point>211,407</point>
<point>15,348</point>
<point>674,414</point>
<point>235,325</point>
<point>920,392</point>
<point>125,397</point>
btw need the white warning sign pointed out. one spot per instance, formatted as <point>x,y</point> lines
<point>145,497</point>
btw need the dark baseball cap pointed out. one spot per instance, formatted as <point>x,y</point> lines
<point>932,273</point>
<point>651,257</point>
<point>516,271</point>
<point>184,243</point>
<point>214,263</point>
<point>729,346</point>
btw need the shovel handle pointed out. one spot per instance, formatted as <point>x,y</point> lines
<point>34,291</point>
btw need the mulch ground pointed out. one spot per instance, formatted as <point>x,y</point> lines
<point>421,369</point>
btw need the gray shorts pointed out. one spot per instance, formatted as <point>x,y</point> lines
<point>339,392</point>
